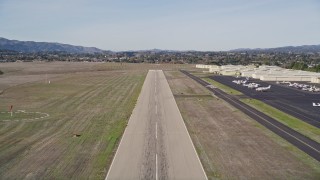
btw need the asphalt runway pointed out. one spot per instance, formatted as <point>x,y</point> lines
<point>292,101</point>
<point>302,142</point>
<point>156,143</point>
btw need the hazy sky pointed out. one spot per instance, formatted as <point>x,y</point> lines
<point>163,24</point>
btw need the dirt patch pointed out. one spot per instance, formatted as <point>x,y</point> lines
<point>233,146</point>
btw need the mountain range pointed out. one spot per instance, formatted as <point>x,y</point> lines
<point>285,49</point>
<point>31,47</point>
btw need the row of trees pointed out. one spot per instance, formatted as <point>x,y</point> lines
<point>286,60</point>
<point>304,66</point>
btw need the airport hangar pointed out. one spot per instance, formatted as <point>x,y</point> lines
<point>263,73</point>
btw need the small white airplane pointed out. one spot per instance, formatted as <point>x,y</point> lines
<point>315,104</point>
<point>253,85</point>
<point>239,81</point>
<point>236,81</point>
<point>316,89</point>
<point>261,89</point>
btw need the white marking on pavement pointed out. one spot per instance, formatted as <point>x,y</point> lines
<point>124,133</point>
<point>156,166</point>
<point>156,130</point>
<point>192,142</point>
<point>155,83</point>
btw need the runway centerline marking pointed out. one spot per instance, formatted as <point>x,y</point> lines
<point>155,84</point>
<point>156,130</point>
<point>156,166</point>
<point>132,159</point>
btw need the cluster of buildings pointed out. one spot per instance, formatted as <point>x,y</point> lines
<point>264,73</point>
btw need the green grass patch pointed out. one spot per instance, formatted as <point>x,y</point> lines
<point>223,87</point>
<point>286,119</point>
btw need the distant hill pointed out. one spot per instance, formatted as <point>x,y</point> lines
<point>285,49</point>
<point>31,46</point>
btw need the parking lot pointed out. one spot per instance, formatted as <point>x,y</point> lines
<point>295,102</point>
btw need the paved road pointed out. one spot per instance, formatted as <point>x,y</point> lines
<point>156,143</point>
<point>300,141</point>
<point>295,102</point>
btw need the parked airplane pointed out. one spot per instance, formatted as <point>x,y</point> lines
<point>304,87</point>
<point>240,81</point>
<point>261,89</point>
<point>253,85</point>
<point>315,104</point>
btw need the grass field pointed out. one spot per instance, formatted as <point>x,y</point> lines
<point>290,121</point>
<point>92,103</point>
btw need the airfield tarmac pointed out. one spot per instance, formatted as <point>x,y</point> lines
<point>304,143</point>
<point>292,101</point>
<point>156,143</point>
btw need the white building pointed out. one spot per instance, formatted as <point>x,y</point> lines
<point>264,73</point>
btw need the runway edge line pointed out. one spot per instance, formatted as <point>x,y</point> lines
<point>189,136</point>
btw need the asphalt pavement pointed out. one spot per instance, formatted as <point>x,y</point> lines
<point>156,143</point>
<point>292,101</point>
